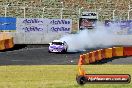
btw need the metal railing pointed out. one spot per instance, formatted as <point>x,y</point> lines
<point>63,13</point>
<point>39,12</point>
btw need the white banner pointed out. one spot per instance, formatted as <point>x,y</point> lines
<point>30,25</point>
<point>60,25</point>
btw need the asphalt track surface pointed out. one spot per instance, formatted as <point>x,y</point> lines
<point>40,56</point>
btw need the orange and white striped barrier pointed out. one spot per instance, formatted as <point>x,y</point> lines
<point>127,51</point>
<point>108,53</point>
<point>98,55</point>
<point>2,46</point>
<point>9,43</point>
<point>81,60</point>
<point>117,51</point>
<point>86,58</point>
<point>103,53</point>
<point>6,41</point>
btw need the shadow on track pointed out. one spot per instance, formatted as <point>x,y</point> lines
<point>22,46</point>
<point>16,47</point>
<point>67,52</point>
<point>106,60</point>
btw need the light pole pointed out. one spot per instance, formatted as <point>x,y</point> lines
<point>5,7</point>
<point>24,12</point>
<point>62,4</point>
<point>32,7</point>
<point>99,10</point>
<point>62,10</point>
<point>61,13</point>
<point>79,13</point>
<point>113,15</point>
<point>43,12</point>
<point>128,14</point>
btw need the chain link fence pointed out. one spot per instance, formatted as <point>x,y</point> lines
<point>62,13</point>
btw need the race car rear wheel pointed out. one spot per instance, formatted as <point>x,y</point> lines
<point>64,51</point>
<point>49,51</point>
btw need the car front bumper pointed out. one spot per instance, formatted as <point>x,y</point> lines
<point>56,50</point>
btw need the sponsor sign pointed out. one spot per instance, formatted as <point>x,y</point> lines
<point>60,25</point>
<point>7,24</point>
<point>85,23</point>
<point>89,15</point>
<point>104,78</point>
<point>29,25</point>
<point>88,20</point>
<point>121,27</point>
<point>111,78</point>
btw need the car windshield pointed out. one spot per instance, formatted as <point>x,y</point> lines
<point>57,43</point>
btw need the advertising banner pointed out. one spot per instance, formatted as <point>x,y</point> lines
<point>85,23</point>
<point>60,25</point>
<point>30,25</point>
<point>121,27</point>
<point>88,20</point>
<point>7,23</point>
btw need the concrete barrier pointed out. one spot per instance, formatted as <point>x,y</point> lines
<point>99,54</point>
<point>35,38</point>
<point>2,46</point>
<point>81,60</point>
<point>117,51</point>
<point>108,53</point>
<point>96,55</point>
<point>47,37</point>
<point>9,43</point>
<point>102,53</point>
<point>90,57</point>
<point>127,51</point>
<point>6,41</point>
<point>86,59</point>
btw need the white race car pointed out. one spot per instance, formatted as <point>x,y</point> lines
<point>58,46</point>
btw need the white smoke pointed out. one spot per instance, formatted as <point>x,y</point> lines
<point>100,37</point>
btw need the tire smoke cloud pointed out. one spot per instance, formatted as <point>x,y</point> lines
<point>99,37</point>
